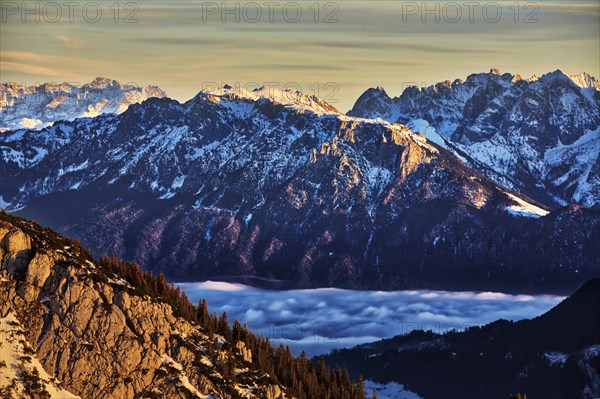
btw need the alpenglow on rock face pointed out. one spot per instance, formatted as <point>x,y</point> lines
<point>35,107</point>
<point>539,136</point>
<point>281,186</point>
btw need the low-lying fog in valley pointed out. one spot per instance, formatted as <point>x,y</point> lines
<point>318,320</point>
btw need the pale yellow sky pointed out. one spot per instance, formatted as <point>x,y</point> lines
<point>337,53</point>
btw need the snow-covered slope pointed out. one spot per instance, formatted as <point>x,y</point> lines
<point>391,390</point>
<point>34,107</point>
<point>540,136</point>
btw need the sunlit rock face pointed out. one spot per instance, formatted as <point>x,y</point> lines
<point>279,185</point>
<point>71,329</point>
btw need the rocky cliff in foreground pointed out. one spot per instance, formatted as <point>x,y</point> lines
<point>73,326</point>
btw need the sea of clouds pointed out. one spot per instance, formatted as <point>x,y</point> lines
<point>318,320</point>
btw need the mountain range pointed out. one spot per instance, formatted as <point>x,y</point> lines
<point>35,107</point>
<point>539,136</point>
<point>280,185</point>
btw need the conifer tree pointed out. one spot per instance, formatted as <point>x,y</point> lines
<point>224,329</point>
<point>237,331</point>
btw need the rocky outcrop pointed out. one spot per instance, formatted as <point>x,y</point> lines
<point>244,352</point>
<point>15,248</point>
<point>100,340</point>
<point>273,392</point>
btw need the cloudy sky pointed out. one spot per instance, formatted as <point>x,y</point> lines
<point>333,49</point>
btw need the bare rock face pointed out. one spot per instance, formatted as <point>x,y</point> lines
<point>100,339</point>
<point>273,392</point>
<point>17,246</point>
<point>244,352</point>
<point>36,274</point>
<point>39,269</point>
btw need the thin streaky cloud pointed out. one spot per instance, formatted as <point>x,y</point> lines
<point>34,70</point>
<point>184,41</point>
<point>398,63</point>
<point>304,67</point>
<point>375,45</point>
<point>27,57</point>
<point>70,42</point>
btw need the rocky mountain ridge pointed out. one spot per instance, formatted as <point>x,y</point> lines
<point>61,303</point>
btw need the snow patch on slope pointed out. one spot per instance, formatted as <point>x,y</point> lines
<point>585,151</point>
<point>556,357</point>
<point>3,204</point>
<point>524,208</point>
<point>28,123</point>
<point>183,378</point>
<point>422,126</point>
<point>390,390</point>
<point>18,364</point>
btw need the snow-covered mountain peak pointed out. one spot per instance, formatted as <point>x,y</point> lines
<point>49,87</point>
<point>551,77</point>
<point>375,93</point>
<point>440,86</point>
<point>102,83</point>
<point>586,81</point>
<point>483,78</point>
<point>35,107</point>
<point>307,197</point>
<point>289,97</point>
